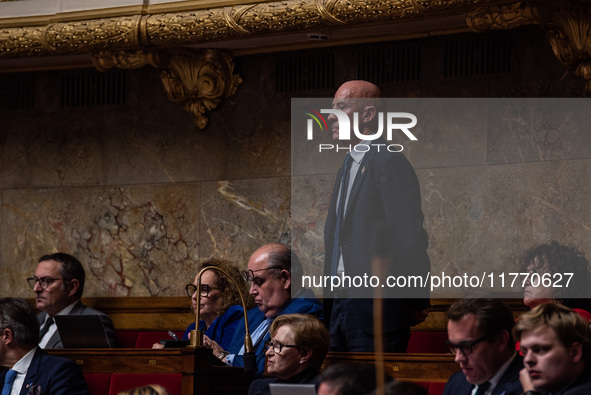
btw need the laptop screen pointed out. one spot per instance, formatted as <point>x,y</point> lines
<point>292,389</point>
<point>82,331</point>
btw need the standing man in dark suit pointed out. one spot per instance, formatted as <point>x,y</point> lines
<point>58,284</point>
<point>381,197</point>
<point>479,332</point>
<point>32,371</point>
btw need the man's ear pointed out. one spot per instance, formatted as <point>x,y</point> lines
<point>73,286</point>
<point>6,336</point>
<point>503,339</point>
<point>576,352</point>
<point>369,114</point>
<point>287,277</point>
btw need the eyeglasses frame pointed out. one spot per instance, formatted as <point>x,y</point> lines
<point>465,347</point>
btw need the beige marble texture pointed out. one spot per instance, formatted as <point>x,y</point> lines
<point>132,241</point>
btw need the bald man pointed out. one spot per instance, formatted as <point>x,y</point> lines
<point>381,197</point>
<point>271,269</point>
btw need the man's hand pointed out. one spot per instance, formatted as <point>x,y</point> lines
<point>217,350</point>
<point>525,380</point>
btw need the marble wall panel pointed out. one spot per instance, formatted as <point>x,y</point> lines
<point>528,130</point>
<point>41,152</point>
<point>483,218</point>
<point>132,241</point>
<point>239,216</point>
<point>479,218</point>
<point>310,198</point>
<point>155,140</point>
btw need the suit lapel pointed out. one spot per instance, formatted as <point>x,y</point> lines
<point>33,372</point>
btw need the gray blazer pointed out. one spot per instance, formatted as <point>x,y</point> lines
<point>80,309</point>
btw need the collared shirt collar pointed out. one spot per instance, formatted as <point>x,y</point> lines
<point>494,380</point>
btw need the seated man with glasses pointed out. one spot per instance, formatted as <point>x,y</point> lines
<point>479,332</point>
<point>273,271</point>
<point>58,284</point>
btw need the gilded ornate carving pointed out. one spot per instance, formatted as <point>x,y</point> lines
<point>567,25</point>
<point>190,27</point>
<point>509,16</point>
<point>568,29</point>
<point>198,79</point>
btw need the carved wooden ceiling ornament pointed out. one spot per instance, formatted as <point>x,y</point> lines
<point>199,79</point>
<point>567,25</point>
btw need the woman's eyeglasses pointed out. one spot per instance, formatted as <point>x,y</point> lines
<point>277,346</point>
<point>192,288</point>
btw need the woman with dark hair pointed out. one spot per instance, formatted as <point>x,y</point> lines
<point>295,352</point>
<point>551,267</point>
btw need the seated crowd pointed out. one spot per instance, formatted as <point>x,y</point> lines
<point>547,350</point>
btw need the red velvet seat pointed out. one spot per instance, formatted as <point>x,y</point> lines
<point>126,339</point>
<point>127,381</point>
<point>436,388</point>
<point>432,387</point>
<point>147,339</point>
<point>98,383</point>
<point>427,342</point>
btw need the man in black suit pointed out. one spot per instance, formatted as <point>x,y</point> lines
<point>58,284</point>
<point>556,343</point>
<point>479,332</point>
<point>32,371</point>
<point>381,201</point>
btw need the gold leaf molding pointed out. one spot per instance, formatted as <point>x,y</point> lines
<point>214,24</point>
<point>197,79</point>
<point>567,25</point>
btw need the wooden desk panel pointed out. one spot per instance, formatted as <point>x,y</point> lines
<point>404,367</point>
<point>198,376</point>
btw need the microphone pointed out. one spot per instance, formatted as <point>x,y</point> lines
<point>171,334</point>
<point>197,335</point>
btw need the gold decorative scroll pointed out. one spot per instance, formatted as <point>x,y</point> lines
<point>499,17</point>
<point>199,79</point>
<point>567,25</point>
<point>214,24</point>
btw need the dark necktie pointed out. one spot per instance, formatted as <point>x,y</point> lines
<point>46,327</point>
<point>8,379</point>
<point>482,388</point>
<point>340,214</point>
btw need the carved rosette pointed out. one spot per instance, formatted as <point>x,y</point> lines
<point>199,79</point>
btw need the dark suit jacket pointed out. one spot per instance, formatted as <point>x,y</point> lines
<point>581,386</point>
<point>51,375</point>
<point>508,385</point>
<point>80,309</point>
<point>307,305</point>
<point>384,195</point>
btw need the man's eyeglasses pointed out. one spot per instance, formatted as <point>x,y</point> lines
<point>465,348</point>
<point>248,275</point>
<point>277,346</point>
<point>44,282</point>
<point>191,289</point>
